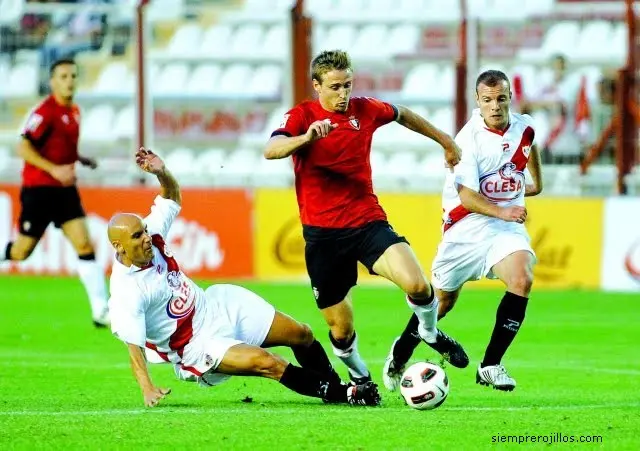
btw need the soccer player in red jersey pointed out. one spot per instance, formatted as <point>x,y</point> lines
<point>49,147</point>
<point>329,140</point>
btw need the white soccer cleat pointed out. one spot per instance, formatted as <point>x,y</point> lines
<point>496,376</point>
<point>391,375</point>
<point>103,320</point>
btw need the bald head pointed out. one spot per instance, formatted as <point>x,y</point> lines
<point>122,226</point>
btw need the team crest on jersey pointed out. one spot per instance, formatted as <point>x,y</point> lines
<point>65,119</point>
<point>505,184</point>
<point>355,123</point>
<point>285,119</point>
<point>173,279</point>
<point>526,150</point>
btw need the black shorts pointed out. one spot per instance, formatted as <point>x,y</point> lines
<point>42,205</point>
<point>332,257</point>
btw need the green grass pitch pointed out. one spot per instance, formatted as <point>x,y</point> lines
<point>64,384</point>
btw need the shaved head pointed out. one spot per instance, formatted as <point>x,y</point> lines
<point>128,235</point>
<point>121,225</point>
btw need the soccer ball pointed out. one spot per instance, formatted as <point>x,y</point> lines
<point>424,386</point>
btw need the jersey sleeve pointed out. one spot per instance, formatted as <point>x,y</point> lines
<point>36,125</point>
<point>382,111</point>
<point>126,310</point>
<point>466,171</point>
<point>293,124</point>
<point>528,120</point>
<point>163,213</point>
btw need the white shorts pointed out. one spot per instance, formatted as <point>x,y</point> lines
<point>457,263</point>
<point>237,316</point>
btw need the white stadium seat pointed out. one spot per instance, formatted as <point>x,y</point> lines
<point>110,80</point>
<point>246,40</point>
<point>22,81</point>
<point>185,41</point>
<point>203,80</point>
<point>275,44</point>
<point>181,161</point>
<point>233,80</point>
<point>172,79</point>
<point>98,123</point>
<point>216,41</point>
<point>125,123</point>
<point>265,81</point>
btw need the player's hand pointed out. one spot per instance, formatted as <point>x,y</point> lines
<point>320,129</point>
<point>65,174</point>
<point>452,155</point>
<point>153,395</point>
<point>149,161</point>
<point>92,163</point>
<point>514,214</point>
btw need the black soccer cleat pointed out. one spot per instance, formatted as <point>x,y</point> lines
<point>450,349</point>
<point>354,380</point>
<point>363,395</point>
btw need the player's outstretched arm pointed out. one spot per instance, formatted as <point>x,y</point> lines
<point>477,203</point>
<point>152,394</point>
<point>535,169</point>
<point>418,124</point>
<point>153,164</point>
<point>283,146</point>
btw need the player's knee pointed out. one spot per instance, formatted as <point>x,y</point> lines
<point>521,283</point>
<point>20,253</point>
<point>342,330</point>
<point>268,365</point>
<point>305,335</point>
<point>417,287</point>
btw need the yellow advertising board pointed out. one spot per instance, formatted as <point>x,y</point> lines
<point>279,246</point>
<point>566,235</point>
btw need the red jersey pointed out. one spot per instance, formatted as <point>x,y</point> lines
<point>333,174</point>
<point>53,129</point>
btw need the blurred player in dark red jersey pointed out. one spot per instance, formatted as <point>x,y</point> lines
<point>49,147</point>
<point>343,223</point>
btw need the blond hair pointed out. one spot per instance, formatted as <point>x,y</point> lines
<point>327,61</point>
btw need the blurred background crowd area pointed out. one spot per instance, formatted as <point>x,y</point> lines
<point>219,77</point>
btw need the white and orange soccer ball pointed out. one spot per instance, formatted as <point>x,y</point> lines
<point>424,386</point>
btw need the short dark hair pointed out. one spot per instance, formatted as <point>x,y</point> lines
<point>492,78</point>
<point>327,61</point>
<point>60,62</point>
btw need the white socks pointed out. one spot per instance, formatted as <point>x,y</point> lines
<point>428,317</point>
<point>92,277</point>
<point>351,357</point>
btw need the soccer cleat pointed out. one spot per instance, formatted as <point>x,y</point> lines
<point>103,320</point>
<point>391,373</point>
<point>355,380</point>
<point>450,349</point>
<point>363,395</point>
<point>496,376</point>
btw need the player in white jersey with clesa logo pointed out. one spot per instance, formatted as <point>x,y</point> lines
<point>207,335</point>
<point>483,225</point>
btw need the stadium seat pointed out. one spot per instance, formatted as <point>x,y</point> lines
<point>246,41</point>
<point>181,161</point>
<point>164,10</point>
<point>238,168</point>
<point>209,163</point>
<point>560,38</point>
<point>443,118</point>
<point>233,81</point>
<point>125,123</point>
<point>216,41</point>
<point>265,81</point>
<point>340,37</point>
<point>402,40</point>
<point>22,81</point>
<point>185,41</point>
<point>593,43</point>
<point>273,173</point>
<point>98,123</point>
<point>371,42</point>
<point>275,44</point>
<point>114,79</point>
<point>203,80</point>
<point>172,79</point>
<point>419,82</point>
<point>12,11</point>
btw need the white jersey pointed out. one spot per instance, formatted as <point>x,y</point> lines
<point>158,306</point>
<point>493,163</point>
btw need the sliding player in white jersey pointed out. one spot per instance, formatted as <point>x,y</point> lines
<point>483,225</point>
<point>207,335</point>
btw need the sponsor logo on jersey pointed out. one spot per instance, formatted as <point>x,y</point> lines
<point>505,184</point>
<point>285,119</point>
<point>180,306</point>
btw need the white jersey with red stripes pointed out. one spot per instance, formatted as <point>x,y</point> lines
<point>493,163</point>
<point>157,306</point>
